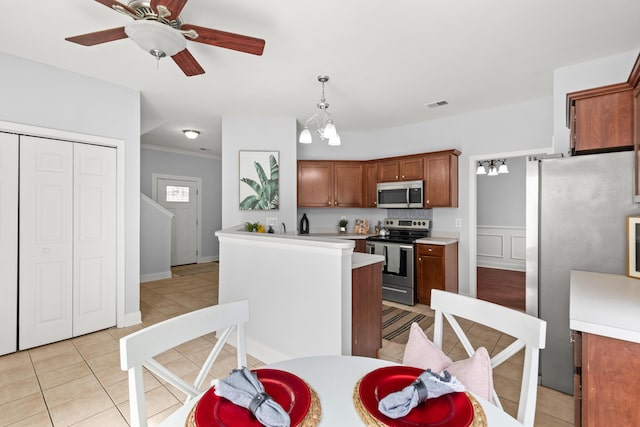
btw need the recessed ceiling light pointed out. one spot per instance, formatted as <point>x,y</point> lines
<point>437,104</point>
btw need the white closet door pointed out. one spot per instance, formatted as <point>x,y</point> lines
<point>8,242</point>
<point>94,275</point>
<point>46,242</point>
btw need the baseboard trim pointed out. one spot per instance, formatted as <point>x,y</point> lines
<point>131,319</point>
<point>155,276</point>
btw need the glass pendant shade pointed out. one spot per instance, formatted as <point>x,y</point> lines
<point>492,171</point>
<point>329,131</point>
<point>503,169</point>
<point>481,170</point>
<point>305,136</point>
<point>335,140</point>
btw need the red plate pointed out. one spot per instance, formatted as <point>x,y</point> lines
<point>291,392</point>
<point>450,410</point>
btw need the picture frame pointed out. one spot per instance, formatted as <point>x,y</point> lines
<point>633,247</point>
<point>259,180</point>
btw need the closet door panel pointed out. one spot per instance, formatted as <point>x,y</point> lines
<point>94,278</point>
<point>8,242</point>
<point>46,251</point>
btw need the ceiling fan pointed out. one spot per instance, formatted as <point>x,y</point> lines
<point>158,29</point>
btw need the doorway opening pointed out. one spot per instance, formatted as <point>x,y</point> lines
<point>181,196</point>
<point>497,241</point>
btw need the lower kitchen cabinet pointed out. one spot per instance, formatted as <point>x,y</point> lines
<point>607,381</point>
<point>366,310</point>
<point>436,268</point>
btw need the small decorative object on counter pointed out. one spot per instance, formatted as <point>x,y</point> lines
<point>304,224</point>
<point>361,227</point>
<point>270,230</point>
<point>343,225</point>
<point>256,226</point>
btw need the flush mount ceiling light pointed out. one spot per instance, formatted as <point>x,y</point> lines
<point>326,130</point>
<point>496,166</point>
<point>190,133</point>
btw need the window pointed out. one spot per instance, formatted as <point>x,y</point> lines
<point>177,194</point>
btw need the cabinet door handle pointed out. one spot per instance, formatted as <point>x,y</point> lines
<point>430,249</point>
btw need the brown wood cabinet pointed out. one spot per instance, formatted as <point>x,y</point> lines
<point>603,119</point>
<point>607,381</point>
<point>436,268</point>
<point>441,179</point>
<point>330,183</point>
<point>361,245</point>
<point>370,184</point>
<point>366,310</point>
<point>351,183</point>
<point>407,168</point>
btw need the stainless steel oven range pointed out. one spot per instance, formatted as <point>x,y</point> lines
<point>397,246</point>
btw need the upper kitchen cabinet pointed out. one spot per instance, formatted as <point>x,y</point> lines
<point>602,119</point>
<point>370,184</point>
<point>315,184</point>
<point>325,184</point>
<point>400,169</point>
<point>441,179</point>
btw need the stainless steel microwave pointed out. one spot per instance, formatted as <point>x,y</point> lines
<point>404,194</point>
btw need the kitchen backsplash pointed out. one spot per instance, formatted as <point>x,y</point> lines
<point>323,220</point>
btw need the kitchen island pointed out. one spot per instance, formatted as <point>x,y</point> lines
<point>303,300</point>
<point>604,315</point>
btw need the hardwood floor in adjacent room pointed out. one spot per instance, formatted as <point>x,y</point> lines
<point>504,287</point>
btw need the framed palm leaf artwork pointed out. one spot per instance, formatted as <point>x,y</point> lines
<point>259,180</point>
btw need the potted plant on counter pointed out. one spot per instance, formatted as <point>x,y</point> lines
<point>343,225</point>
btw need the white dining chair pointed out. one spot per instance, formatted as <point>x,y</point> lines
<point>138,349</point>
<point>529,333</point>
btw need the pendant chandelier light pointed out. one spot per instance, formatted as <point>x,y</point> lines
<point>497,166</point>
<point>326,129</point>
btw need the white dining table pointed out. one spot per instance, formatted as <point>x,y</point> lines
<point>333,378</point>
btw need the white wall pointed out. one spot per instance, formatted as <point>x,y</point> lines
<point>501,198</point>
<point>43,96</point>
<point>266,134</point>
<point>155,240</point>
<point>208,169</point>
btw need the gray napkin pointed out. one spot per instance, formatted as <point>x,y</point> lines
<point>427,386</point>
<point>243,388</point>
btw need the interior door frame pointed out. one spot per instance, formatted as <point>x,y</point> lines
<point>473,207</point>
<point>29,130</point>
<point>154,195</point>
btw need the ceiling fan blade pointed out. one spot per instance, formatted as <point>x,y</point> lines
<point>174,6</point>
<point>99,37</point>
<point>219,38</point>
<point>111,3</point>
<point>187,63</point>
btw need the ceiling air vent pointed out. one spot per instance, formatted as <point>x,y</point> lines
<point>437,104</point>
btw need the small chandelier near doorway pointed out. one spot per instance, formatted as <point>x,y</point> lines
<point>327,130</point>
<point>496,166</point>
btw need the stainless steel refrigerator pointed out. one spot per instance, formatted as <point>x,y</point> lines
<point>576,220</point>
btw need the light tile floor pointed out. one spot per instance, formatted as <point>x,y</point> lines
<point>78,382</point>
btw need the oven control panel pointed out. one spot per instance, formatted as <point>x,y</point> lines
<point>418,224</point>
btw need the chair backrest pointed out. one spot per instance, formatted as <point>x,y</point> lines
<point>529,333</point>
<point>138,349</point>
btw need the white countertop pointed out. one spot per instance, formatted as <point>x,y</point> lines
<point>605,304</point>
<point>437,240</point>
<point>352,236</point>
<point>359,259</point>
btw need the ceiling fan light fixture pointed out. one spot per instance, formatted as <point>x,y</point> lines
<point>156,38</point>
<point>191,134</point>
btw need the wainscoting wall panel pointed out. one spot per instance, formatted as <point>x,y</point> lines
<point>501,247</point>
